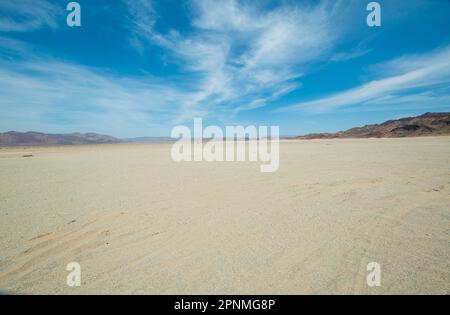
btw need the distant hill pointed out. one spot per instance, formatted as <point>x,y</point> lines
<point>429,124</point>
<point>13,138</point>
<point>147,139</point>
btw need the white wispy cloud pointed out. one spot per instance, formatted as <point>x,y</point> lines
<point>344,56</point>
<point>241,55</point>
<point>402,75</point>
<point>238,56</point>
<point>44,94</point>
<point>27,15</point>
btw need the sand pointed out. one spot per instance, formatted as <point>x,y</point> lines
<point>139,223</point>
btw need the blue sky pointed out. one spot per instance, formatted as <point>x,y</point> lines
<point>140,67</point>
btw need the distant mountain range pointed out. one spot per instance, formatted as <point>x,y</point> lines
<point>147,139</point>
<point>31,138</point>
<point>428,124</point>
<point>13,138</point>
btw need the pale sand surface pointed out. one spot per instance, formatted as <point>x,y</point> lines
<point>145,224</point>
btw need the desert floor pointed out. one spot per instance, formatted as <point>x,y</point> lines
<point>137,222</point>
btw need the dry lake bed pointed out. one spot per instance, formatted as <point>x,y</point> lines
<point>139,223</point>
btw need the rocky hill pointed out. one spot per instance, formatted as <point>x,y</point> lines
<point>428,124</point>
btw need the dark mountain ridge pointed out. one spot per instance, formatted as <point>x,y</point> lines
<point>13,138</point>
<point>428,124</point>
